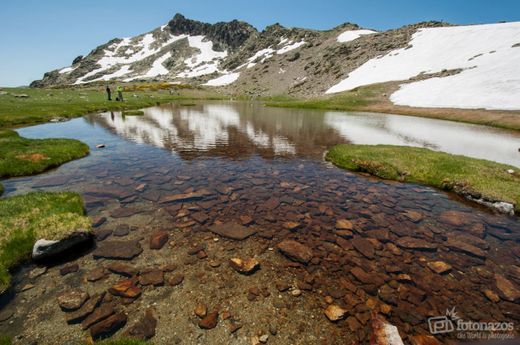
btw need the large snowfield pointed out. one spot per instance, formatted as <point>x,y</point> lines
<point>489,56</point>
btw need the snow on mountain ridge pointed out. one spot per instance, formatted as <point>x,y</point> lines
<point>490,76</point>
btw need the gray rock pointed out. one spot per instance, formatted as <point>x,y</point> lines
<point>44,249</point>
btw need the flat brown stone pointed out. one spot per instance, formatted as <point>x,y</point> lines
<point>414,216</point>
<point>96,274</point>
<point>175,280</point>
<point>363,246</point>
<point>119,250</point>
<point>461,246</point>
<point>184,197</point>
<point>143,329</point>
<point>154,277</point>
<point>507,289</point>
<point>125,288</point>
<point>86,309</point>
<point>69,269</point>
<point>108,192</point>
<point>244,266</point>
<point>439,267</point>
<point>455,218</point>
<point>108,326</point>
<point>416,244</point>
<point>210,321</point>
<point>72,299</point>
<point>232,230</point>
<point>99,313</point>
<point>295,251</point>
<point>367,278</point>
<point>335,312</point>
<point>122,269</point>
<point>158,239</point>
<point>344,224</point>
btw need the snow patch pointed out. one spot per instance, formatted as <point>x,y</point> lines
<point>291,46</point>
<point>225,79</point>
<point>157,66</point>
<point>351,35</point>
<point>67,70</point>
<point>490,78</point>
<point>267,53</point>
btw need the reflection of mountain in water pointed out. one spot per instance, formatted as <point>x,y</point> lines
<point>233,130</point>
<point>243,129</point>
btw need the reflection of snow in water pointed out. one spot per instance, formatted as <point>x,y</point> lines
<point>207,127</point>
<point>452,137</point>
<point>210,126</point>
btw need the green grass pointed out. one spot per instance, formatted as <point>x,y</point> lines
<point>5,340</point>
<point>26,218</point>
<point>45,104</point>
<point>348,101</point>
<point>442,170</point>
<point>20,156</point>
<point>133,113</point>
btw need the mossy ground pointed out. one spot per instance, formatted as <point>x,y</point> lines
<point>26,218</point>
<point>438,169</point>
<point>21,156</point>
<point>41,105</point>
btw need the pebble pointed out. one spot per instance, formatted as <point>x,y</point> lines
<point>296,292</point>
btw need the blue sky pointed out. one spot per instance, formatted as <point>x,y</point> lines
<point>38,36</point>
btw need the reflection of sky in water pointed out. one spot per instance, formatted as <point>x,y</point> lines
<point>452,137</point>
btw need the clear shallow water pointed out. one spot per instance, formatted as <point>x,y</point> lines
<point>267,164</point>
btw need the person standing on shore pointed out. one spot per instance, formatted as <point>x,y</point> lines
<point>109,93</point>
<point>120,93</point>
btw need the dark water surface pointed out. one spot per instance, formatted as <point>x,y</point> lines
<point>245,160</point>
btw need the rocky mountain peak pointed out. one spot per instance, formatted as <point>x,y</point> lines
<point>224,34</point>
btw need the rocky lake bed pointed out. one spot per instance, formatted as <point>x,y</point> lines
<point>233,230</point>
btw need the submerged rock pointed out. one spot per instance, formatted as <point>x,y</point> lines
<point>384,333</point>
<point>122,250</point>
<point>244,266</point>
<point>210,321</point>
<point>295,251</point>
<point>232,230</point>
<point>439,267</point>
<point>108,326</point>
<point>335,312</point>
<point>125,288</point>
<point>72,299</point>
<point>416,243</point>
<point>143,329</point>
<point>507,289</point>
<point>158,239</point>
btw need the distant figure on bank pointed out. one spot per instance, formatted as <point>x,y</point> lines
<point>120,93</point>
<point>109,93</point>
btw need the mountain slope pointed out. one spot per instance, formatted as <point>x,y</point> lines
<point>440,65</point>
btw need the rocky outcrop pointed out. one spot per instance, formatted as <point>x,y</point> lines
<point>224,35</point>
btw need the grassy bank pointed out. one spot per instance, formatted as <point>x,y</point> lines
<point>21,156</point>
<point>438,169</point>
<point>26,218</point>
<point>41,105</point>
<point>376,98</point>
